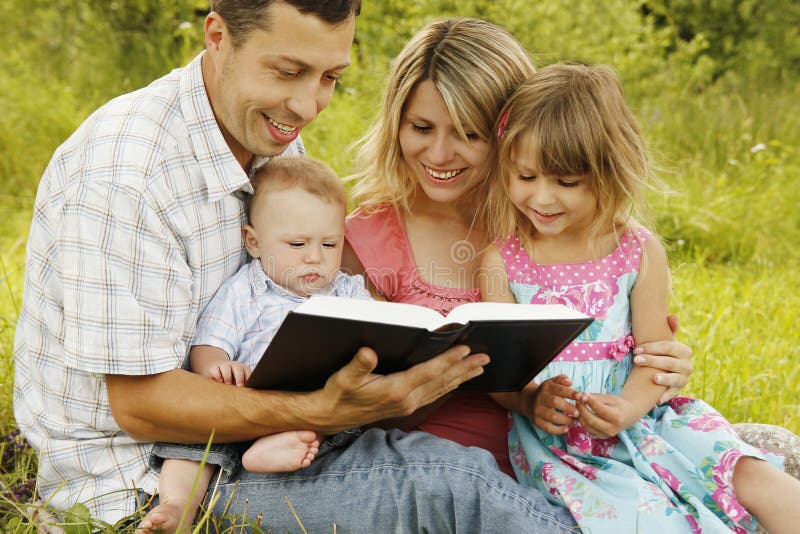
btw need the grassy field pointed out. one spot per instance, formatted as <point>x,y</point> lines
<point>727,149</point>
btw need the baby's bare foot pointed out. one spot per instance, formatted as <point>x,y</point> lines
<point>165,518</point>
<point>278,453</point>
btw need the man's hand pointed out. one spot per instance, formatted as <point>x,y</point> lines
<point>356,396</point>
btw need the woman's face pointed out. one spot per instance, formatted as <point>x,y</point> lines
<point>444,165</point>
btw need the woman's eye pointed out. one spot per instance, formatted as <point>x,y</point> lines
<point>567,183</point>
<point>527,178</point>
<point>420,129</point>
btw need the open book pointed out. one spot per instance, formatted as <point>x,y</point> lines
<point>321,335</point>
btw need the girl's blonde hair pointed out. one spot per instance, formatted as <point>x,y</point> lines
<point>572,120</point>
<point>474,64</point>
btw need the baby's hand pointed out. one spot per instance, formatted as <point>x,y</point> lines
<point>229,373</point>
<point>550,411</point>
<point>605,415</point>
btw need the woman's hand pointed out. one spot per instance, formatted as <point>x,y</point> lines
<point>672,357</point>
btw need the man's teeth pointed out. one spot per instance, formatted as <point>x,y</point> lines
<point>284,128</point>
<point>443,175</point>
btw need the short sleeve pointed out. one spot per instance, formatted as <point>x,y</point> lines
<point>219,323</point>
<point>379,243</point>
<point>352,286</point>
<point>127,286</point>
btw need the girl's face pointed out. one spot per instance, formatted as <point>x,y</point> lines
<point>556,205</point>
<point>444,165</point>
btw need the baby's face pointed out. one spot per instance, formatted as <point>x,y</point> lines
<point>300,239</point>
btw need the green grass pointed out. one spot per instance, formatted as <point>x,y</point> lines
<point>729,150</point>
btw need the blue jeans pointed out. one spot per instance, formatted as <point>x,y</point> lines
<point>391,481</point>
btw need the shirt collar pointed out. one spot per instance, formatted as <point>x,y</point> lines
<point>261,284</point>
<point>221,170</point>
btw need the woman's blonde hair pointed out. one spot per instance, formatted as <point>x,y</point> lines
<point>572,120</point>
<point>474,64</point>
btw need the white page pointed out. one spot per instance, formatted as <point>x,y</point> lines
<point>499,311</point>
<point>372,311</point>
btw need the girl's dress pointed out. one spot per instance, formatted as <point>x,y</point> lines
<point>671,471</point>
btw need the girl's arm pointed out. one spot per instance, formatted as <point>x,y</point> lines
<point>649,300</point>
<point>547,410</point>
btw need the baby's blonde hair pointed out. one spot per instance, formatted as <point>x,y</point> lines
<point>572,120</point>
<point>474,64</point>
<point>309,174</point>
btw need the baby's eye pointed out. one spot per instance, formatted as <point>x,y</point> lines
<point>329,245</point>
<point>296,244</point>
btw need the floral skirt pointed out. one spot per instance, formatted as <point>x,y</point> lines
<point>670,472</point>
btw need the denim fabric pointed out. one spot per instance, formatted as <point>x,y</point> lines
<point>226,456</point>
<point>390,481</point>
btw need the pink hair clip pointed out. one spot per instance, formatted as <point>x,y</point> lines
<point>501,128</point>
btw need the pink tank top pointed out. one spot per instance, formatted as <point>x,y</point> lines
<point>381,244</point>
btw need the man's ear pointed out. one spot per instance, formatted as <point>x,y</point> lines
<point>215,31</point>
<point>250,238</point>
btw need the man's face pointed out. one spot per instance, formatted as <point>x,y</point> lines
<point>277,81</point>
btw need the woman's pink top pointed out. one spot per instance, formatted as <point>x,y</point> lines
<point>381,244</point>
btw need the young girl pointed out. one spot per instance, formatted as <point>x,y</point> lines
<point>574,166</point>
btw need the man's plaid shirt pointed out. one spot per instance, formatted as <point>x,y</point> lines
<point>137,222</point>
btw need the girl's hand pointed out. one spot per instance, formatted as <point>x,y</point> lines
<point>229,373</point>
<point>548,407</point>
<point>605,415</point>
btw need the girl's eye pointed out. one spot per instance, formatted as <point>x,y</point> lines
<point>527,178</point>
<point>420,129</point>
<point>472,136</point>
<point>567,183</point>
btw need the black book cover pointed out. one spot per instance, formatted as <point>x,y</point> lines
<point>309,348</point>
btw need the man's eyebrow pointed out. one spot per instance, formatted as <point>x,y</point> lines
<point>303,65</point>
